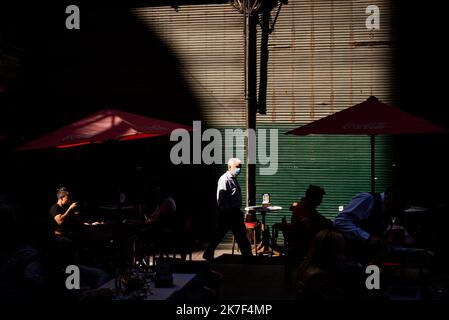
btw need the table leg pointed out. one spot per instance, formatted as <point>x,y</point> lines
<point>264,245</point>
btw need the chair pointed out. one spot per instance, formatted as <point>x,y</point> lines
<point>143,248</point>
<point>178,240</point>
<point>291,249</point>
<point>167,242</point>
<point>284,228</point>
<point>251,230</point>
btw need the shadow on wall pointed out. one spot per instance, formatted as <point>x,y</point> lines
<point>113,61</point>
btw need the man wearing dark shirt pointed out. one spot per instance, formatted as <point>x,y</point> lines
<point>64,213</point>
<point>306,221</point>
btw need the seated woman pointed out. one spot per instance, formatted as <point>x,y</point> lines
<point>165,206</point>
<point>161,216</point>
<point>163,226</point>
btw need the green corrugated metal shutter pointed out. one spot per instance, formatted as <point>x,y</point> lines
<point>322,60</point>
<point>340,164</point>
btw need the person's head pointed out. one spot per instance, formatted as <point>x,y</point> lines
<point>234,166</point>
<point>63,196</point>
<point>327,249</point>
<point>314,195</point>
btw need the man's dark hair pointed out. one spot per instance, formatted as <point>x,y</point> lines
<point>314,190</point>
<point>61,192</point>
<point>396,197</point>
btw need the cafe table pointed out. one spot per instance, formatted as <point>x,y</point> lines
<point>180,281</point>
<point>264,246</point>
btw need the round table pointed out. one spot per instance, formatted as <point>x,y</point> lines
<point>264,246</point>
<point>414,209</point>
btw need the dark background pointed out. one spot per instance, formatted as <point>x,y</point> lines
<point>115,62</point>
<point>421,88</point>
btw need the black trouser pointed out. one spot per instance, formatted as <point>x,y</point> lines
<point>230,219</point>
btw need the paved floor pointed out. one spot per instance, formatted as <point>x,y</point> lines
<point>262,280</point>
<point>221,250</point>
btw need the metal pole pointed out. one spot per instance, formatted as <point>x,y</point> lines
<point>251,101</point>
<point>373,159</point>
<point>263,75</point>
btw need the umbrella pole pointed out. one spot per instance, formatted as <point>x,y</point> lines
<point>373,157</point>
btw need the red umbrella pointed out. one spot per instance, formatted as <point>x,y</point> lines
<point>371,117</point>
<point>103,126</point>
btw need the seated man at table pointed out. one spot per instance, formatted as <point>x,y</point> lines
<point>65,214</point>
<point>306,221</point>
<point>365,221</point>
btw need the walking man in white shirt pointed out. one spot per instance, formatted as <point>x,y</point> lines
<point>229,200</point>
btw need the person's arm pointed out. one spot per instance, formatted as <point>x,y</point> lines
<point>323,221</point>
<point>59,218</point>
<point>319,222</point>
<point>302,217</point>
<point>357,210</point>
<point>222,193</point>
<point>166,207</point>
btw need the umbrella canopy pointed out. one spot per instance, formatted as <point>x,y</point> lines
<point>104,126</point>
<point>371,117</point>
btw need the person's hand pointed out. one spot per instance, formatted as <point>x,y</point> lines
<point>375,240</point>
<point>73,206</point>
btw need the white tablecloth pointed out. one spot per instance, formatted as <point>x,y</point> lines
<point>180,280</point>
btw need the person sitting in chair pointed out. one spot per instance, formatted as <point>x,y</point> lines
<point>365,223</point>
<point>306,221</point>
<point>65,214</point>
<point>158,211</point>
<point>165,207</point>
